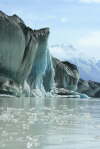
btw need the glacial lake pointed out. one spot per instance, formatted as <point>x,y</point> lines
<point>49,123</point>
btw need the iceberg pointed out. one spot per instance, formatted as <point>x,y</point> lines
<point>26,65</point>
<point>25,60</point>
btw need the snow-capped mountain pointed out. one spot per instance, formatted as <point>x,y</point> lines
<point>89,67</point>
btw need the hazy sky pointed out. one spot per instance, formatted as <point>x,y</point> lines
<point>74,22</point>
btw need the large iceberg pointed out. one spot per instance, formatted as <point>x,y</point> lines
<point>24,57</point>
<point>26,65</point>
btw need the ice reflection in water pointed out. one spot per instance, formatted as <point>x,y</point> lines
<point>50,123</point>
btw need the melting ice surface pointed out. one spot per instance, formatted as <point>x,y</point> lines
<point>49,123</point>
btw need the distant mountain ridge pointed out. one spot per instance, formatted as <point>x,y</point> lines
<point>89,67</point>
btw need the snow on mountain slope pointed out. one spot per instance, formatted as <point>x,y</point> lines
<point>89,67</point>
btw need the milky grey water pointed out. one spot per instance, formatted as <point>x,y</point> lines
<point>49,123</point>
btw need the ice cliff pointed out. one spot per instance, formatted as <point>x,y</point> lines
<point>66,74</point>
<point>26,65</point>
<point>25,62</point>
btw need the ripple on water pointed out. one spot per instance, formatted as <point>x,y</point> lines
<point>49,123</point>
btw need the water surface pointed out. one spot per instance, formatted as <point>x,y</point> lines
<point>49,123</point>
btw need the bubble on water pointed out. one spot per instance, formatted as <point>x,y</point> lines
<point>4,133</point>
<point>3,145</point>
<point>29,138</point>
<point>10,138</point>
<point>29,145</point>
<point>87,116</point>
<point>25,126</point>
<point>15,120</point>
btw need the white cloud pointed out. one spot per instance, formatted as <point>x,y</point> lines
<point>92,39</point>
<point>87,46</point>
<point>90,44</point>
<point>64,51</point>
<point>58,52</point>
<point>64,20</point>
<point>90,1</point>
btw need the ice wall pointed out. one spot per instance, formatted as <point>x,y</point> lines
<point>17,49</point>
<point>42,73</point>
<point>26,66</point>
<point>66,75</point>
<point>25,61</point>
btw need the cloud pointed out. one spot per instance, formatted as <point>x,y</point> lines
<point>92,39</point>
<point>63,51</point>
<point>58,52</point>
<point>90,43</point>
<point>90,1</point>
<point>64,20</point>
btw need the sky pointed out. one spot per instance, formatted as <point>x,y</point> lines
<point>73,22</point>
